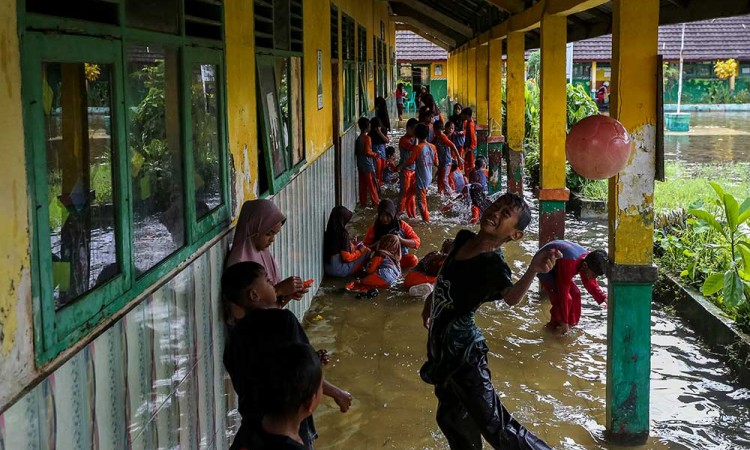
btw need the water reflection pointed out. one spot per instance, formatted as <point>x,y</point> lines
<point>554,385</point>
<point>715,137</point>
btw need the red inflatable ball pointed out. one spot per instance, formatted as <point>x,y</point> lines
<point>598,147</point>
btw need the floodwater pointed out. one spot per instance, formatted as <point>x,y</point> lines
<point>553,385</point>
<point>714,137</point>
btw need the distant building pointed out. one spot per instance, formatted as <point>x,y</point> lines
<point>706,42</point>
<point>421,63</point>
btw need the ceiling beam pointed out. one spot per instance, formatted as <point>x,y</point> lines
<point>421,32</point>
<point>426,29</point>
<point>568,7</point>
<point>512,6</point>
<point>423,10</point>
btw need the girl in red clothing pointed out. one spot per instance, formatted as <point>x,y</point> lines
<point>366,163</point>
<point>429,266</point>
<point>342,258</point>
<point>446,151</point>
<point>470,145</point>
<point>387,222</point>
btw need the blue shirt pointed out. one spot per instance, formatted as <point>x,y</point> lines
<point>458,180</point>
<point>478,176</point>
<point>424,162</point>
<point>403,152</point>
<point>443,150</point>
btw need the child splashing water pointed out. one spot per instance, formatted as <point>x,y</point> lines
<point>475,273</point>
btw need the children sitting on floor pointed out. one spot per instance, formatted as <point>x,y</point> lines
<point>426,272</point>
<point>388,222</point>
<point>341,256</point>
<point>292,381</point>
<point>390,172</point>
<point>383,269</point>
<point>562,290</point>
<point>264,327</point>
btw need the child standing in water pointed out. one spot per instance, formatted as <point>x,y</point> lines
<point>379,139</point>
<point>479,174</point>
<point>562,290</point>
<point>406,173</point>
<point>445,149</point>
<point>470,144</point>
<point>366,164</point>
<point>475,273</point>
<point>424,155</point>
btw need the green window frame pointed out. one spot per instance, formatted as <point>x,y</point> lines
<point>279,38</point>
<point>349,68</point>
<point>57,328</point>
<point>362,98</point>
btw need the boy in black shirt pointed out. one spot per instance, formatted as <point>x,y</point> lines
<point>264,329</point>
<point>474,273</point>
<point>292,381</point>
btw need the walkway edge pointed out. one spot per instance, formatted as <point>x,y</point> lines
<point>709,322</point>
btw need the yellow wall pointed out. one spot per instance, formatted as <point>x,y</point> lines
<point>16,349</point>
<point>241,113</point>
<point>318,123</point>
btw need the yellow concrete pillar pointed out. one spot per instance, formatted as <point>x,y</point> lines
<point>495,86</point>
<point>553,194</point>
<point>633,102</point>
<point>471,75</point>
<point>593,76</point>
<point>482,84</point>
<point>516,105</point>
<point>449,74</point>
<point>464,75</point>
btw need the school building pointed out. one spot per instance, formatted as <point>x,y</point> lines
<point>706,42</point>
<point>133,132</point>
<point>420,63</point>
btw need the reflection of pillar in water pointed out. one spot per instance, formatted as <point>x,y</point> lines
<point>76,181</point>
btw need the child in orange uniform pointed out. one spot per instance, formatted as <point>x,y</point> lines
<point>429,266</point>
<point>387,222</point>
<point>445,150</point>
<point>366,164</point>
<point>378,138</point>
<point>406,171</point>
<point>342,258</point>
<point>424,155</point>
<point>471,139</point>
<point>383,270</point>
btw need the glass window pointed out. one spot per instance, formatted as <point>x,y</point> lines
<point>77,100</point>
<point>206,148</point>
<point>155,154</point>
<point>154,15</point>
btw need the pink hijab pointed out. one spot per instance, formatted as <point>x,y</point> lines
<point>256,217</point>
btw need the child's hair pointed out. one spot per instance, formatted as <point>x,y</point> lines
<point>390,151</point>
<point>479,163</point>
<point>458,107</point>
<point>422,131</point>
<point>424,113</point>
<point>400,86</point>
<point>467,111</point>
<point>597,262</point>
<point>438,125</point>
<point>238,277</point>
<point>375,123</point>
<point>454,166</point>
<point>449,124</point>
<point>447,245</point>
<point>363,123</point>
<point>411,123</point>
<point>517,202</point>
<point>380,102</point>
<point>289,377</point>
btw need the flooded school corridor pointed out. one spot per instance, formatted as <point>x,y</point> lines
<point>553,385</point>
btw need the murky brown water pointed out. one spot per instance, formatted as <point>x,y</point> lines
<point>553,385</point>
<point>715,137</point>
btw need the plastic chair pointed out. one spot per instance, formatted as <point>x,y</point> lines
<point>410,103</point>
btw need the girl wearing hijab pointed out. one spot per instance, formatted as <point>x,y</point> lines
<point>384,268</point>
<point>388,223</point>
<point>259,223</point>
<point>381,112</point>
<point>342,258</point>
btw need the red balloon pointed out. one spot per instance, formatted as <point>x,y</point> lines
<point>598,147</point>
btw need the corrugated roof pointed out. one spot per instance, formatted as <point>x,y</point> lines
<point>706,40</point>
<point>411,47</point>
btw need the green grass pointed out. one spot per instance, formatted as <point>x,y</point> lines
<point>596,190</point>
<point>689,183</point>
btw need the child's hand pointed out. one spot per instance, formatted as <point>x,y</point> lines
<point>343,399</point>
<point>324,358</point>
<point>289,287</point>
<point>545,260</point>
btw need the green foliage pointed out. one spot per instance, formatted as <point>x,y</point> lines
<point>533,64</point>
<point>720,93</point>
<point>687,182</point>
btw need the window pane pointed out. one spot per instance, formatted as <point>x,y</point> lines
<point>269,105</point>
<point>154,15</point>
<point>156,160</point>
<point>206,150</point>
<point>283,89</point>
<point>77,98</point>
<point>298,149</point>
